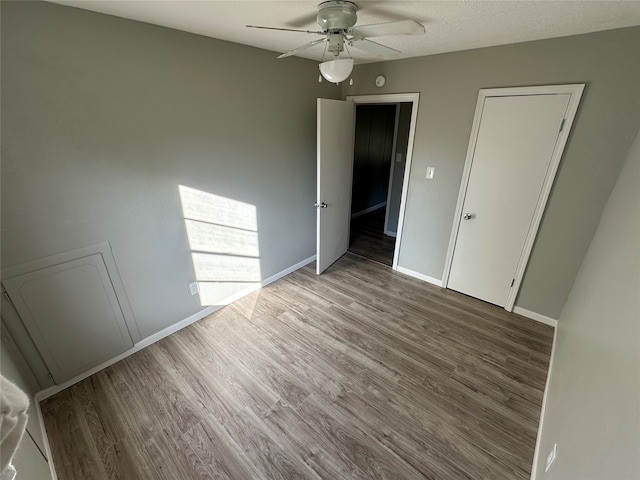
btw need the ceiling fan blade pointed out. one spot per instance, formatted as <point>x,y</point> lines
<point>301,21</point>
<point>403,27</point>
<point>373,47</point>
<point>303,47</point>
<point>285,29</point>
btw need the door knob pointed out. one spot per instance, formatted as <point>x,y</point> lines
<point>320,205</point>
<point>468,216</point>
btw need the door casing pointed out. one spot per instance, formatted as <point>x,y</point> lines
<point>412,98</point>
<point>575,90</point>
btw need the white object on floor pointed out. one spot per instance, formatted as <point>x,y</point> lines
<point>9,473</point>
<point>13,421</point>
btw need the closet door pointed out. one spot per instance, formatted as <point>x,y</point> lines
<point>514,148</point>
<point>72,315</point>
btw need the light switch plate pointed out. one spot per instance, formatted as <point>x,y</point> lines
<point>398,157</point>
<point>195,288</point>
<point>430,172</point>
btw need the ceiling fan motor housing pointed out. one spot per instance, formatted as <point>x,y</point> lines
<point>336,15</point>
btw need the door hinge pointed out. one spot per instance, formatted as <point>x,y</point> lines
<point>513,280</point>
<point>6,295</point>
<point>51,377</point>
<point>562,125</point>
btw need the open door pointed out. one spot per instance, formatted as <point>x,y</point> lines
<point>335,168</point>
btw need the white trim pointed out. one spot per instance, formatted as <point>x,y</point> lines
<point>575,92</point>
<point>383,99</point>
<point>389,233</point>
<point>103,249</point>
<point>45,438</point>
<point>368,210</point>
<point>56,259</point>
<point>391,165</point>
<point>536,452</point>
<point>420,276</point>
<point>48,392</point>
<point>552,322</point>
<point>414,99</point>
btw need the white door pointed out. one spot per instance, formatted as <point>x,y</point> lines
<point>335,169</point>
<point>515,144</point>
<point>72,315</point>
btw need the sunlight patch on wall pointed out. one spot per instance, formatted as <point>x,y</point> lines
<point>223,238</point>
<point>225,268</point>
<point>207,237</point>
<point>210,208</point>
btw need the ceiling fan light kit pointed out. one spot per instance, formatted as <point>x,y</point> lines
<point>338,70</point>
<point>337,20</point>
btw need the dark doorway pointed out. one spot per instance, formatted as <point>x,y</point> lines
<point>381,140</point>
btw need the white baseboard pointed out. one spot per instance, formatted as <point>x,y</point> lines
<point>390,233</point>
<point>536,452</point>
<point>419,276</point>
<point>145,342</point>
<point>287,271</point>
<point>536,316</point>
<point>368,210</point>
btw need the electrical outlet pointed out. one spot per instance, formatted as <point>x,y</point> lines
<point>551,457</point>
<point>195,288</point>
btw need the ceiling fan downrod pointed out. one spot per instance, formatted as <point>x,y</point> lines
<point>336,43</point>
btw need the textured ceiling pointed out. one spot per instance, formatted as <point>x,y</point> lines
<point>450,25</point>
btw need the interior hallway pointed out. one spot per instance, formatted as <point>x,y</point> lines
<point>367,237</point>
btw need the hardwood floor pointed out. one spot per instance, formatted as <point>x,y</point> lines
<point>360,373</point>
<point>367,238</point>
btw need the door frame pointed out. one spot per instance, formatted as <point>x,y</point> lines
<point>575,91</point>
<point>391,170</point>
<point>396,98</point>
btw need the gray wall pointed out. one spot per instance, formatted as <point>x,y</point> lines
<point>593,406</point>
<point>103,118</point>
<point>402,144</point>
<point>448,84</point>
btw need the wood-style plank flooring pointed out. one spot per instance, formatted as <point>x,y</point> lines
<point>360,373</point>
<point>367,238</point>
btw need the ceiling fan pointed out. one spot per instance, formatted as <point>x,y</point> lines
<point>337,20</point>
